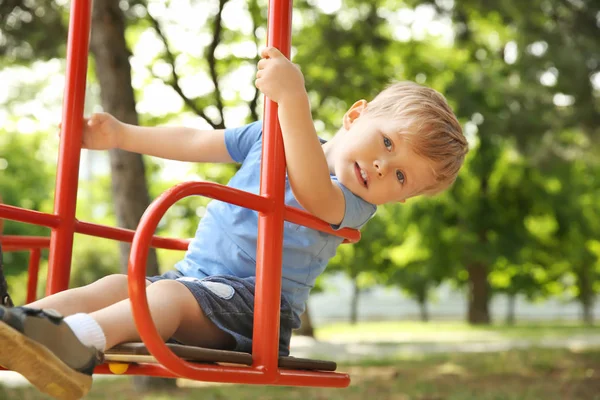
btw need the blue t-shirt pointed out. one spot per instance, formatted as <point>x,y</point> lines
<point>225,241</point>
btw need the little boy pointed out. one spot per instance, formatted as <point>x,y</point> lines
<point>404,143</point>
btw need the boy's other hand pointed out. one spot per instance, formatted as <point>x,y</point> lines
<point>278,78</point>
<point>100,132</point>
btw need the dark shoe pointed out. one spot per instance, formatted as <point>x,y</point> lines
<point>41,347</point>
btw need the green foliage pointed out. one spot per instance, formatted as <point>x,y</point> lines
<point>25,27</point>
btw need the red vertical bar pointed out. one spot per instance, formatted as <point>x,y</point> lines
<point>32,274</point>
<point>61,241</point>
<point>270,225</point>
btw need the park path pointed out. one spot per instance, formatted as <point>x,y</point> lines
<point>378,347</point>
<point>390,345</point>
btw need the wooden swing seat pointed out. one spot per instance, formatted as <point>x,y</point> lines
<point>138,353</point>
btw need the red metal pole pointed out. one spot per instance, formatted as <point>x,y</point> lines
<point>61,242</point>
<point>32,274</point>
<point>270,225</point>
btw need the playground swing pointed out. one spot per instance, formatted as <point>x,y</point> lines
<point>153,357</point>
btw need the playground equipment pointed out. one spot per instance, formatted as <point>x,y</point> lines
<point>154,357</point>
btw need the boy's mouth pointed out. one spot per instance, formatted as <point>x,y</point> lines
<point>361,175</point>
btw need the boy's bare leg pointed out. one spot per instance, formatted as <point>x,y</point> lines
<point>86,299</point>
<point>175,312</point>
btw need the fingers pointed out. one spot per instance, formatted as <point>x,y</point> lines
<point>93,120</point>
<point>270,52</point>
<point>258,81</point>
<point>262,64</point>
<point>97,118</point>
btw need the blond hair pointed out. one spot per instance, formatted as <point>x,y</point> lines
<point>428,123</point>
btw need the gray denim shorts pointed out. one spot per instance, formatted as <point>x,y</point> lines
<point>228,301</point>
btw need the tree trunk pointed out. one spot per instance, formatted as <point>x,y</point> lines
<point>422,300</point>
<point>354,302</point>
<point>479,294</point>
<point>129,187</point>
<point>588,313</point>
<point>510,312</point>
<point>306,328</point>
<point>586,294</point>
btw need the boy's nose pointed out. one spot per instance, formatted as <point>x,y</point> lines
<point>380,167</point>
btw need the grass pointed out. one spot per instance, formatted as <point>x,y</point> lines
<point>452,331</point>
<point>513,375</point>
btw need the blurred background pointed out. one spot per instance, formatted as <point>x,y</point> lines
<point>485,292</point>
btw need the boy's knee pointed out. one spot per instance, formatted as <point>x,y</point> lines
<point>116,280</point>
<point>165,285</point>
<point>113,280</point>
<point>168,289</point>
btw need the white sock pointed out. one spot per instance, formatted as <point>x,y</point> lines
<point>87,330</point>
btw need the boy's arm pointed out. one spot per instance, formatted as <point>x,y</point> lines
<point>176,143</point>
<point>306,165</point>
<point>307,168</point>
<point>102,131</point>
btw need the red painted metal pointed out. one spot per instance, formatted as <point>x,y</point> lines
<point>303,218</point>
<point>28,216</point>
<point>141,312</point>
<point>139,255</point>
<point>16,243</point>
<point>265,343</point>
<point>32,274</point>
<point>61,242</point>
<point>126,235</point>
<point>287,377</point>
<point>33,244</point>
<point>139,369</point>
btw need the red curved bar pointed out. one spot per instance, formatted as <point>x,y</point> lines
<point>141,311</point>
<point>139,255</point>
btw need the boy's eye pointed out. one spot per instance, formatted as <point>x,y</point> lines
<point>400,176</point>
<point>387,143</point>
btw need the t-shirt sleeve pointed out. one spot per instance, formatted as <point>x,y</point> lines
<point>358,211</point>
<point>240,140</point>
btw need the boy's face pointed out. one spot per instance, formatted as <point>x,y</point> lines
<point>375,162</point>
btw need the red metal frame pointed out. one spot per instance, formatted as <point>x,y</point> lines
<point>34,245</point>
<point>269,204</point>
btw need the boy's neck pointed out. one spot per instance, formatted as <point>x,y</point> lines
<point>329,150</point>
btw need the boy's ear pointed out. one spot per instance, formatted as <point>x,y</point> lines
<point>353,113</point>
